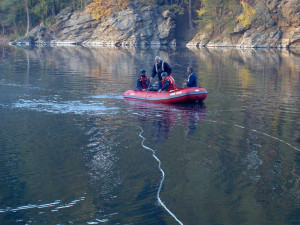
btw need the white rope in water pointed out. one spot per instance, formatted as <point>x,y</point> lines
<point>277,139</point>
<point>162,179</point>
<point>256,131</point>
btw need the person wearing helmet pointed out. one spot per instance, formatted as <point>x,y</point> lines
<point>159,67</point>
<point>168,83</point>
<point>142,82</point>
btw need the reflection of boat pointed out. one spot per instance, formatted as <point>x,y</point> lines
<point>162,117</point>
<point>182,95</point>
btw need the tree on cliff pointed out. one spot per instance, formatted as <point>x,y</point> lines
<point>10,15</point>
<point>215,15</point>
<point>102,8</point>
<point>17,16</point>
<point>190,15</point>
<point>246,17</point>
<point>28,16</point>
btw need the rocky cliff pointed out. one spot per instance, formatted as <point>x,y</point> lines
<point>275,24</point>
<point>139,24</point>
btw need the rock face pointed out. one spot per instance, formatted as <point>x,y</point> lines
<point>276,24</point>
<point>142,24</point>
<point>139,24</point>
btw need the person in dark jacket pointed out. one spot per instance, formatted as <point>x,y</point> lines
<point>168,83</point>
<point>159,67</point>
<point>192,80</point>
<point>142,82</point>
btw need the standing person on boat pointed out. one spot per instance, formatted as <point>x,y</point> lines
<point>168,83</point>
<point>142,82</point>
<point>159,67</point>
<point>192,80</point>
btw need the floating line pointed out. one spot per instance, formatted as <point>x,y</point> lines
<point>162,178</point>
<point>256,131</point>
<point>268,135</point>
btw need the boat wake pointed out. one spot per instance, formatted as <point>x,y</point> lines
<point>57,203</point>
<point>107,96</point>
<point>63,107</point>
<point>162,178</point>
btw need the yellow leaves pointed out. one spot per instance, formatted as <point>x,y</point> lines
<point>203,9</point>
<point>246,17</point>
<point>103,8</point>
<point>201,12</point>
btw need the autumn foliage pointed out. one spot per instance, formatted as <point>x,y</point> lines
<point>246,17</point>
<point>103,8</point>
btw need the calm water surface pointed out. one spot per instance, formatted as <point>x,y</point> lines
<point>74,152</point>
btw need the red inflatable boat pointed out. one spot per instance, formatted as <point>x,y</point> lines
<point>182,95</point>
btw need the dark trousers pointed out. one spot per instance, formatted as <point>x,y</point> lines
<point>155,87</point>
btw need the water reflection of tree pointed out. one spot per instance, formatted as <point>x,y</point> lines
<point>263,78</point>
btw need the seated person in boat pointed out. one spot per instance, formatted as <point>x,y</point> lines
<point>159,67</point>
<point>192,80</point>
<point>168,83</point>
<point>142,82</point>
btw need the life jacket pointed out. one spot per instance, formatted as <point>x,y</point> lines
<point>172,85</point>
<point>162,67</point>
<point>144,82</point>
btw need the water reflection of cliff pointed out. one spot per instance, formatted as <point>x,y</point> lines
<point>117,67</point>
<point>255,68</point>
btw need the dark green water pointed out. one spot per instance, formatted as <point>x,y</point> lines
<point>71,151</point>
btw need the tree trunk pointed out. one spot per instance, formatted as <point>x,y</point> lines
<point>28,17</point>
<point>15,26</point>
<point>3,29</point>
<point>190,15</point>
<point>53,10</point>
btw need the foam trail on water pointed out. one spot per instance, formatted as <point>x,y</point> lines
<point>30,206</point>
<point>162,178</point>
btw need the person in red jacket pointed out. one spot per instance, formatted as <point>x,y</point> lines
<point>168,83</point>
<point>142,82</point>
